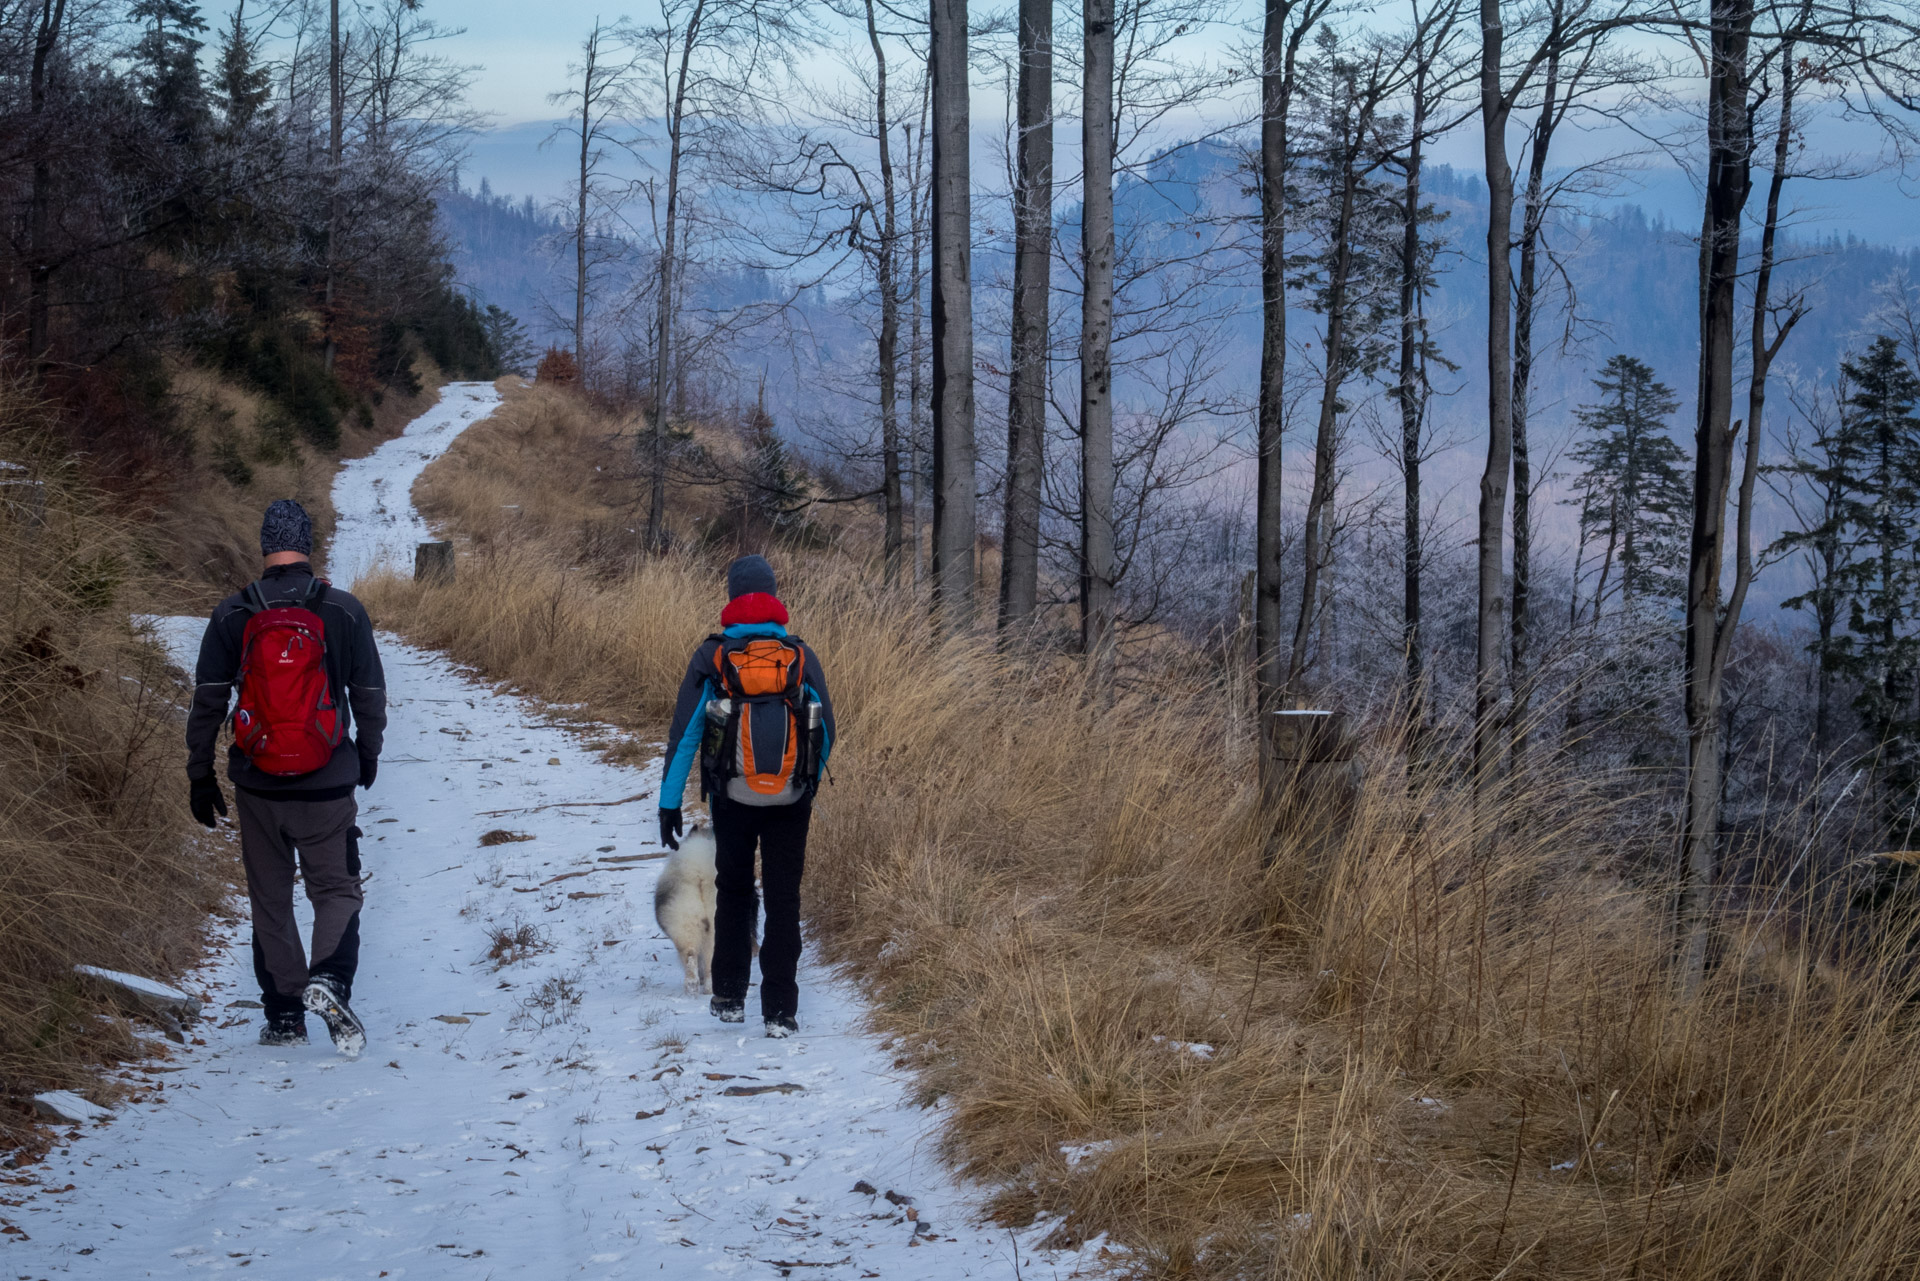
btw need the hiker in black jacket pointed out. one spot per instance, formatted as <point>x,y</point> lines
<point>310,814</point>
<point>770,807</point>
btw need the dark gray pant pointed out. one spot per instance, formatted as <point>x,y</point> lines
<point>321,833</point>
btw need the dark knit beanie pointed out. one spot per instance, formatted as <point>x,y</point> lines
<point>286,528</point>
<point>748,575</point>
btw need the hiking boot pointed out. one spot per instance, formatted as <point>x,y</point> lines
<point>326,996</point>
<point>728,1011</point>
<point>284,1032</point>
<point>782,1027</point>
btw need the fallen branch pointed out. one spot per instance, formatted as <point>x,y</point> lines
<point>565,805</point>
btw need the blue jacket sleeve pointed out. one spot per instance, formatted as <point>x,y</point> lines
<point>689,724</point>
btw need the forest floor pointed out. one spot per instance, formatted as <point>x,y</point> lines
<point>539,1096</point>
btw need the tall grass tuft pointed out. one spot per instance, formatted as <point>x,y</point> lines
<point>94,864</point>
<point>1444,1043</point>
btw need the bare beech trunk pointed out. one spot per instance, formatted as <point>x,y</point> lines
<point>1411,395</point>
<point>953,444</point>
<point>1531,223</point>
<point>1490,632</point>
<point>1316,536</point>
<point>1279,56</point>
<point>886,281</point>
<point>580,206</point>
<point>40,198</point>
<point>1032,266</point>
<point>336,110</point>
<point>663,370</point>
<point>916,384</point>
<point>1096,341</point>
<point>1708,635</point>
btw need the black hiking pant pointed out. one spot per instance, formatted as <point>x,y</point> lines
<point>780,831</point>
<point>276,835</point>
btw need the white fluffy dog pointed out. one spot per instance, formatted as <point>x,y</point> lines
<point>683,902</point>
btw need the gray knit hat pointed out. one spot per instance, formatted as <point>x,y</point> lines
<point>286,528</point>
<point>750,574</point>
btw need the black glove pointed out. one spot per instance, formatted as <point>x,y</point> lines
<point>369,767</point>
<point>205,800</point>
<point>670,828</point>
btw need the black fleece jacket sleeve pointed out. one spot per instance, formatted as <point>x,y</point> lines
<point>366,682</point>
<point>213,677</point>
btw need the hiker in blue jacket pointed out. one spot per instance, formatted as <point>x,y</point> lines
<point>753,710</point>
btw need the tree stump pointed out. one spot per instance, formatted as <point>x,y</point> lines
<point>1309,774</point>
<point>433,563</point>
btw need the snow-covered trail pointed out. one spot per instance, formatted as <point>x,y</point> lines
<point>565,1112</point>
<point>376,522</point>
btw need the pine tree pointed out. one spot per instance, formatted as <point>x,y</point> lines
<point>1871,467</point>
<point>167,61</point>
<point>1632,488</point>
<point>245,85</point>
<point>507,336</point>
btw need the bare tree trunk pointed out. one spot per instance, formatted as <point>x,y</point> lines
<point>1096,342</point>
<point>1032,268</point>
<point>580,207</point>
<point>663,370</point>
<point>1410,392</point>
<point>40,199</point>
<point>1708,636</point>
<point>953,445</point>
<point>1531,224</point>
<point>1279,54</point>
<point>1490,633</point>
<point>1316,537</point>
<point>916,387</point>
<point>886,281</point>
<point>336,109</point>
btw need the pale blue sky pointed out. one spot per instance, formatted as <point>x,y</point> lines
<point>523,48</point>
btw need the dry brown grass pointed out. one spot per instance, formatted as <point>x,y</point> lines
<point>199,525</point>
<point>1447,1045</point>
<point>99,860</point>
<point>95,863</point>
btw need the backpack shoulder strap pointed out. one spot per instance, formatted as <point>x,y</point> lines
<point>719,643</point>
<point>253,599</point>
<point>316,592</point>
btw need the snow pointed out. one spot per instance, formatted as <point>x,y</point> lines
<point>376,523</point>
<point>64,1105</point>
<point>1075,1153</point>
<point>1199,1049</point>
<point>564,1113</point>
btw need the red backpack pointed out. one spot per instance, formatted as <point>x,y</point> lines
<point>287,722</point>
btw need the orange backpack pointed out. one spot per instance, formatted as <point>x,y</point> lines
<point>761,743</point>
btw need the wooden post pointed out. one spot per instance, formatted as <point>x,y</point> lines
<point>433,563</point>
<point>1308,771</point>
